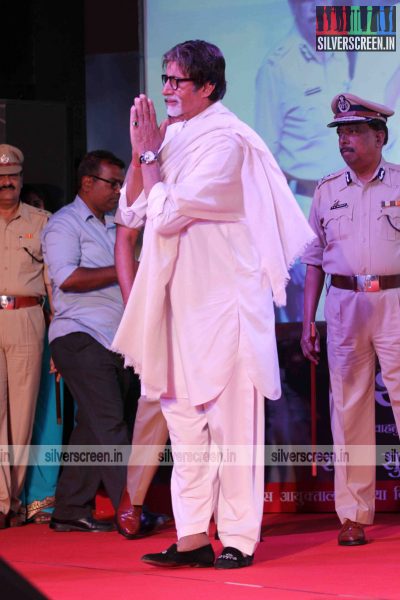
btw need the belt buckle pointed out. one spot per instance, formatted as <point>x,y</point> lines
<point>6,301</point>
<point>368,283</point>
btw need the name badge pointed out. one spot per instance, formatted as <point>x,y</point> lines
<point>337,204</point>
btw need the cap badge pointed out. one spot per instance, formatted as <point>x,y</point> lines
<point>343,104</point>
<point>4,159</point>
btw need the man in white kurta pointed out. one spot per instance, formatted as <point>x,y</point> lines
<point>221,230</point>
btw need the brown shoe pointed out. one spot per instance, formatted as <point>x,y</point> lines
<point>351,534</point>
<point>128,521</point>
<point>16,519</point>
<point>3,521</point>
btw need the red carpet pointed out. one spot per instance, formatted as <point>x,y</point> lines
<point>299,559</point>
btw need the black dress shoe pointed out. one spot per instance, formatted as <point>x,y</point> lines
<point>84,524</point>
<point>201,557</point>
<point>151,522</point>
<point>232,558</point>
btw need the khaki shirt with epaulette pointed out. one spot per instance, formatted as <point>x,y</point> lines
<point>357,225</point>
<point>21,259</point>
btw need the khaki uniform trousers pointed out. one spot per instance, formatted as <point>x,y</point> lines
<point>21,346</point>
<point>150,434</point>
<point>234,489</point>
<point>360,324</point>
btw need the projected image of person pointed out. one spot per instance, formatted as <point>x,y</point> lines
<point>380,71</point>
<point>199,323</point>
<point>293,88</point>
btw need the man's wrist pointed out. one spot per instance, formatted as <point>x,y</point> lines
<point>135,160</point>
<point>308,324</point>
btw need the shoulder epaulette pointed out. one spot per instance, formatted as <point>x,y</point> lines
<point>280,51</point>
<point>330,177</point>
<point>39,211</point>
<point>393,167</point>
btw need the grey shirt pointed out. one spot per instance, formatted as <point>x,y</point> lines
<point>74,238</point>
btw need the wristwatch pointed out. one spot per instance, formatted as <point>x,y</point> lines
<point>148,157</point>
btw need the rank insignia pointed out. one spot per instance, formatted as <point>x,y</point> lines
<point>311,91</point>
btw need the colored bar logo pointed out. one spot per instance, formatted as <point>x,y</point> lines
<point>355,28</point>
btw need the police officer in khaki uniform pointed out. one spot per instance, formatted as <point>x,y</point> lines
<point>22,326</point>
<point>356,216</point>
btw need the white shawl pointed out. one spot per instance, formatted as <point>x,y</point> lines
<point>279,230</point>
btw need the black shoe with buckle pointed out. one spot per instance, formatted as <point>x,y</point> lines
<point>201,557</point>
<point>232,558</point>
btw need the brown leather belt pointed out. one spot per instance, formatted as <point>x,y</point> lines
<point>365,283</point>
<point>14,302</point>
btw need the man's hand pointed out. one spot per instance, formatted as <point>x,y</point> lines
<point>144,131</point>
<point>314,283</point>
<point>310,347</point>
<point>53,370</point>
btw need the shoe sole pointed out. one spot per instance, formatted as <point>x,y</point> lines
<point>177,565</point>
<point>355,543</point>
<point>64,528</point>
<point>232,567</point>
<point>128,536</point>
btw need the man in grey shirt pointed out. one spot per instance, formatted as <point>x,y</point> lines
<point>78,246</point>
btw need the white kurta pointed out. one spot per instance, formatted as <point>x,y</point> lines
<point>222,229</point>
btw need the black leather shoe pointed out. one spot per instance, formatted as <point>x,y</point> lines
<point>201,557</point>
<point>84,524</point>
<point>151,522</point>
<point>232,558</point>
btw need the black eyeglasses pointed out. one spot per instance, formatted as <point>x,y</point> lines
<point>115,183</point>
<point>174,81</point>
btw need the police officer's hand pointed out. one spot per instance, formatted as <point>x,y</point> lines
<point>53,370</point>
<point>310,347</point>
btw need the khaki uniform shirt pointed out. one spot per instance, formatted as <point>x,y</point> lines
<point>356,233</point>
<point>294,88</point>
<point>21,259</point>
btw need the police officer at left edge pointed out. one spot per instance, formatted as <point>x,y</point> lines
<point>22,326</point>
